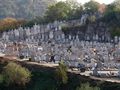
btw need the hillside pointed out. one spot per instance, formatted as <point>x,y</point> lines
<point>23,8</point>
<point>44,78</point>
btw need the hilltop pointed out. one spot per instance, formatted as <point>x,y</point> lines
<point>25,9</point>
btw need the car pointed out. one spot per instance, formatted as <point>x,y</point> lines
<point>75,64</point>
<point>81,67</point>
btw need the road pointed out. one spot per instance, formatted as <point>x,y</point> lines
<point>86,73</point>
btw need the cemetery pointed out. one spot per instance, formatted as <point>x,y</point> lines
<point>60,45</point>
<point>48,43</point>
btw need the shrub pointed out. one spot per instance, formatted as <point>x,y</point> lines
<point>115,31</point>
<point>86,86</point>
<point>92,18</point>
<point>14,73</point>
<point>1,78</point>
<point>62,72</point>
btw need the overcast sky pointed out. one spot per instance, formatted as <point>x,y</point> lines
<point>100,1</point>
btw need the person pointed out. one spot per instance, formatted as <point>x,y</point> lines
<point>52,59</point>
<point>69,49</point>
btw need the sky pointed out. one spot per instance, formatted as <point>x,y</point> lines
<point>100,1</point>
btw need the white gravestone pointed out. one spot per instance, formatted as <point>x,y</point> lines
<point>51,35</point>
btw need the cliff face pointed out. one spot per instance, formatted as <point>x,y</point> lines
<point>23,8</point>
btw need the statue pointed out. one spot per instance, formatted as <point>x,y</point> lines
<point>84,18</point>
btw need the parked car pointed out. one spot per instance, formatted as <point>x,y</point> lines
<point>72,64</point>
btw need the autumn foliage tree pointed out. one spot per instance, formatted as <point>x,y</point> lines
<point>10,23</point>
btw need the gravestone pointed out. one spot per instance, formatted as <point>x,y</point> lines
<point>51,35</point>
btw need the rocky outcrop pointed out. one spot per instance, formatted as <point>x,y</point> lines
<point>91,31</point>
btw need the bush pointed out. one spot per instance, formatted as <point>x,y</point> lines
<point>86,86</point>
<point>10,23</point>
<point>92,18</point>
<point>16,74</point>
<point>115,31</point>
<point>62,72</point>
<point>1,78</point>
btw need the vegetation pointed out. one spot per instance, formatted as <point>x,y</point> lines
<point>68,10</point>
<point>1,78</point>
<point>112,17</point>
<point>87,86</point>
<point>15,74</point>
<point>10,23</point>
<point>44,78</point>
<point>91,6</point>
<point>25,9</point>
<point>62,73</point>
<point>59,79</point>
<point>60,10</point>
<point>92,18</point>
<point>64,11</point>
<point>115,31</point>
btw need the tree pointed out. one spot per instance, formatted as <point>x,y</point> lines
<point>14,73</point>
<point>112,18</point>
<point>10,23</point>
<point>116,3</point>
<point>91,6</point>
<point>117,9</point>
<point>73,4</point>
<point>58,11</point>
<point>112,14</point>
<point>68,10</point>
<point>76,13</point>
<point>76,9</point>
<point>62,73</point>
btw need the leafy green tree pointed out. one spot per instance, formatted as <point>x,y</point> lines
<point>73,4</point>
<point>62,73</point>
<point>68,10</point>
<point>14,73</point>
<point>76,9</point>
<point>58,11</point>
<point>116,3</point>
<point>109,11</point>
<point>117,9</point>
<point>76,13</point>
<point>112,14</point>
<point>91,6</point>
<point>112,18</point>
